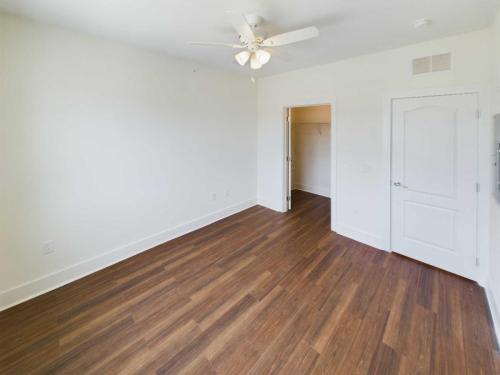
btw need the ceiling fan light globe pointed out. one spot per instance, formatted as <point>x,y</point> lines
<point>254,62</point>
<point>242,57</point>
<point>263,56</point>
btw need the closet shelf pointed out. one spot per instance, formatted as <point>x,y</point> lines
<point>310,123</point>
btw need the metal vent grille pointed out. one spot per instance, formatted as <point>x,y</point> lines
<point>441,62</point>
<point>429,64</point>
<point>421,65</point>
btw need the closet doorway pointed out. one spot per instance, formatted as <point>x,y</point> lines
<point>308,143</point>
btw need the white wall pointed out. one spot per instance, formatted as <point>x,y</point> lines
<point>359,87</point>
<point>311,149</point>
<point>494,271</point>
<point>109,149</point>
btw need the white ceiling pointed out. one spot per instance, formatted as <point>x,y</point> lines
<point>348,28</point>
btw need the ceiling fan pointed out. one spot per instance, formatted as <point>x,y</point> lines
<point>253,47</point>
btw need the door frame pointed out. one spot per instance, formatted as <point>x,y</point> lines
<point>484,146</point>
<point>333,154</point>
<point>288,157</point>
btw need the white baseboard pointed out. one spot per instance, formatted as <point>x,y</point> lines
<point>494,308</point>
<point>361,236</point>
<point>31,289</point>
<point>313,190</point>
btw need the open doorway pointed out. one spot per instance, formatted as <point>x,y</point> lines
<point>308,143</point>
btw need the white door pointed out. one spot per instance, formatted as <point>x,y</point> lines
<point>289,157</point>
<point>434,180</point>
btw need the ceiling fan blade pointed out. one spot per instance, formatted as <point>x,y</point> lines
<point>291,37</point>
<point>217,44</point>
<point>241,26</point>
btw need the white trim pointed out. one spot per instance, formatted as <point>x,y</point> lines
<point>31,289</point>
<point>494,306</point>
<point>333,166</point>
<point>361,236</point>
<point>419,93</point>
<point>482,210</point>
<point>312,189</point>
<point>284,193</point>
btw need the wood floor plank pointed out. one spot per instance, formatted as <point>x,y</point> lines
<point>195,348</point>
<point>385,361</point>
<point>260,292</point>
<point>301,361</point>
<point>417,351</point>
<point>365,344</point>
<point>279,350</point>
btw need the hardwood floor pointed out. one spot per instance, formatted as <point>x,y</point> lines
<point>257,293</point>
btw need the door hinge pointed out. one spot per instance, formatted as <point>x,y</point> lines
<point>288,158</point>
<point>288,198</point>
<point>477,261</point>
<point>478,187</point>
<point>478,114</point>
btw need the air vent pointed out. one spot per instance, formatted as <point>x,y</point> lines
<point>421,65</point>
<point>435,63</point>
<point>441,62</point>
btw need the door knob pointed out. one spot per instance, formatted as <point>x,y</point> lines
<point>399,184</point>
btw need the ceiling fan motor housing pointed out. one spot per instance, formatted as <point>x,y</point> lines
<point>254,20</point>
